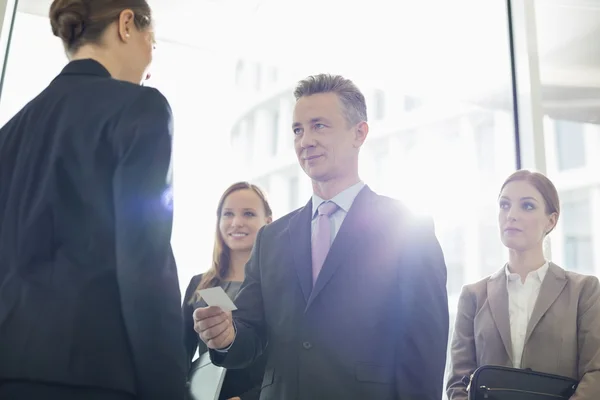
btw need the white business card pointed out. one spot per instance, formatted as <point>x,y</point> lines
<point>217,297</point>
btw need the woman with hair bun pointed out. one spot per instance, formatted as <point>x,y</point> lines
<point>89,294</point>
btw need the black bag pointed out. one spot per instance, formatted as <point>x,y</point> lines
<point>502,383</point>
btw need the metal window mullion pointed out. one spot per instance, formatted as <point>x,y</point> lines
<point>527,87</point>
<point>8,13</point>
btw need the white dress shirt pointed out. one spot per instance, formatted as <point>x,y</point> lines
<point>522,297</point>
<point>344,200</point>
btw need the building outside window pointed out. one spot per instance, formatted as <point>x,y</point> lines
<point>378,105</point>
<point>275,133</point>
<point>578,235</point>
<point>570,144</point>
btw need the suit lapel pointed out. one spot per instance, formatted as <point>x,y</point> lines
<point>346,241</point>
<point>498,301</point>
<point>299,234</point>
<point>552,286</point>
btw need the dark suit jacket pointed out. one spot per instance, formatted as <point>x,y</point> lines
<point>89,293</point>
<point>375,326</point>
<point>243,383</point>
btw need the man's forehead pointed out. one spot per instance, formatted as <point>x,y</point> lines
<point>323,99</point>
<point>317,105</point>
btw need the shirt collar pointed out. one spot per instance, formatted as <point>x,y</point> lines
<point>344,199</point>
<point>538,274</point>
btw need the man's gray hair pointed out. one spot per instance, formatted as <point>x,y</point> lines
<point>352,99</point>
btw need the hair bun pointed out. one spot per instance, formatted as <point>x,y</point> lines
<point>68,19</point>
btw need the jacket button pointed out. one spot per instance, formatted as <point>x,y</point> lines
<point>307,345</point>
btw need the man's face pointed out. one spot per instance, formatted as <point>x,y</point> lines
<point>326,143</point>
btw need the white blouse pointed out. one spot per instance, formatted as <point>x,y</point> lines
<point>522,297</point>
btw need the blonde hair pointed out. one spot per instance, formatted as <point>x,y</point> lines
<point>221,253</point>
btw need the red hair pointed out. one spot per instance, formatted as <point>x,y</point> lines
<point>542,184</point>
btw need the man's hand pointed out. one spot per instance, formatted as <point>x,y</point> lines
<point>214,326</point>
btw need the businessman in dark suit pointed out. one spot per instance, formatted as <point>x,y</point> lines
<point>348,291</point>
<point>89,295</point>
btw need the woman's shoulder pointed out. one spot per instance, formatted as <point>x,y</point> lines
<point>587,283</point>
<point>481,284</point>
<point>148,101</point>
<point>585,287</point>
<point>130,94</point>
<point>476,293</point>
<point>571,275</point>
<point>192,286</point>
<point>195,280</point>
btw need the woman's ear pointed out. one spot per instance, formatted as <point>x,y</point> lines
<point>552,219</point>
<point>269,220</point>
<point>126,23</point>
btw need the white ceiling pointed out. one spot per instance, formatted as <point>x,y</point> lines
<point>405,39</point>
<point>568,36</point>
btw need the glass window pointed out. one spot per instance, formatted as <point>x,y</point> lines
<point>579,253</point>
<point>484,132</point>
<point>577,234</point>
<point>239,73</point>
<point>490,251</point>
<point>455,246</point>
<point>275,132</point>
<point>411,103</point>
<point>258,77</point>
<point>264,184</point>
<point>378,105</point>
<point>273,75</point>
<point>376,157</point>
<point>570,144</point>
<point>568,86</point>
<point>31,37</point>
<point>251,149</point>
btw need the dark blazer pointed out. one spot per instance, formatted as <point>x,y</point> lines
<point>375,326</point>
<point>89,294</point>
<point>243,383</point>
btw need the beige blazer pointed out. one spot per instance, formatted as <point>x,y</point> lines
<point>563,336</point>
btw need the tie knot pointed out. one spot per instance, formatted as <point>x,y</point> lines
<point>327,208</point>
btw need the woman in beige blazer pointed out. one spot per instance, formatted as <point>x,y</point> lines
<point>531,313</point>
